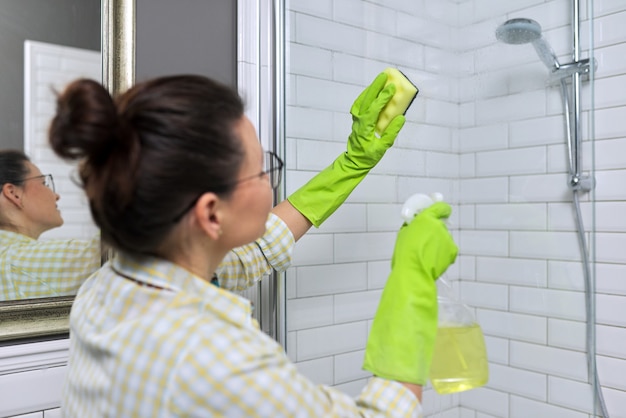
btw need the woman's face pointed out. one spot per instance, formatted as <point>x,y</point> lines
<point>251,201</point>
<point>39,202</point>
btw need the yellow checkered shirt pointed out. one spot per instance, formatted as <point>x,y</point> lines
<point>246,265</point>
<point>32,268</point>
<point>148,338</point>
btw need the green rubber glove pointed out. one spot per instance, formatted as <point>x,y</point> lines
<point>400,343</point>
<point>324,193</point>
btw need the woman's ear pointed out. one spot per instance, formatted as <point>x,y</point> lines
<point>13,194</point>
<point>208,214</point>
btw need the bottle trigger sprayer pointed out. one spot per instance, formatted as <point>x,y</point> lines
<point>460,358</point>
<point>418,202</point>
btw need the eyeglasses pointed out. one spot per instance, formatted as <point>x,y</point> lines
<point>272,167</point>
<point>48,181</point>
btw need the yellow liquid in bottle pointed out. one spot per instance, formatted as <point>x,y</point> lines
<point>459,360</point>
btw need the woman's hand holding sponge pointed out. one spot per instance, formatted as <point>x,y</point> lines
<point>377,117</point>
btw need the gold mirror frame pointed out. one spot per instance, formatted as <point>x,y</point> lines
<point>45,317</point>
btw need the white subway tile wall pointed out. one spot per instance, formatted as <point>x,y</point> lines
<point>514,380</point>
<point>569,393</point>
<point>488,133</point>
<point>524,408</point>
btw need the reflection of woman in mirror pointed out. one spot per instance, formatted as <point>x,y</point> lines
<point>29,267</point>
<point>176,178</point>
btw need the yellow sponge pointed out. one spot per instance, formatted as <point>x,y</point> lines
<point>401,100</point>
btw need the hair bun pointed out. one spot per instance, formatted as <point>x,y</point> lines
<point>86,122</point>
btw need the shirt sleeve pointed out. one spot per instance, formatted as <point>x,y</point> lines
<point>258,380</point>
<point>246,265</point>
<point>48,268</point>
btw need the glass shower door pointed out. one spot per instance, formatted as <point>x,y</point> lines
<point>488,130</point>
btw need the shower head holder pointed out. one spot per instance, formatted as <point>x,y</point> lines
<point>582,67</point>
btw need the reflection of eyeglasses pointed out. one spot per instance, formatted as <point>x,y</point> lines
<point>272,167</point>
<point>48,181</point>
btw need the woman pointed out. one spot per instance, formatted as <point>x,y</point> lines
<point>30,268</point>
<point>176,178</point>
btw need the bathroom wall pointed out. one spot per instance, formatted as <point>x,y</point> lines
<point>611,162</point>
<point>517,224</point>
<point>487,133</point>
<point>187,37</point>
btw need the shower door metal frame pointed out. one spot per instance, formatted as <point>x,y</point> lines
<point>261,72</point>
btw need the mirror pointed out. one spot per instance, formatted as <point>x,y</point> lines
<point>44,48</point>
<point>50,44</point>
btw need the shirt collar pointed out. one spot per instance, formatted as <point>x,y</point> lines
<point>159,273</point>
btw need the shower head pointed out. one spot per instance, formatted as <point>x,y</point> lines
<point>521,31</point>
<point>518,31</point>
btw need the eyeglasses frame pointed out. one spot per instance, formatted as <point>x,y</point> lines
<point>48,181</point>
<point>274,181</point>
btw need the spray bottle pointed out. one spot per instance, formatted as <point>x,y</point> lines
<point>460,357</point>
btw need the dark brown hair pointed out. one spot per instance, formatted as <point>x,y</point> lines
<point>13,167</point>
<point>146,155</point>
<point>13,170</point>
